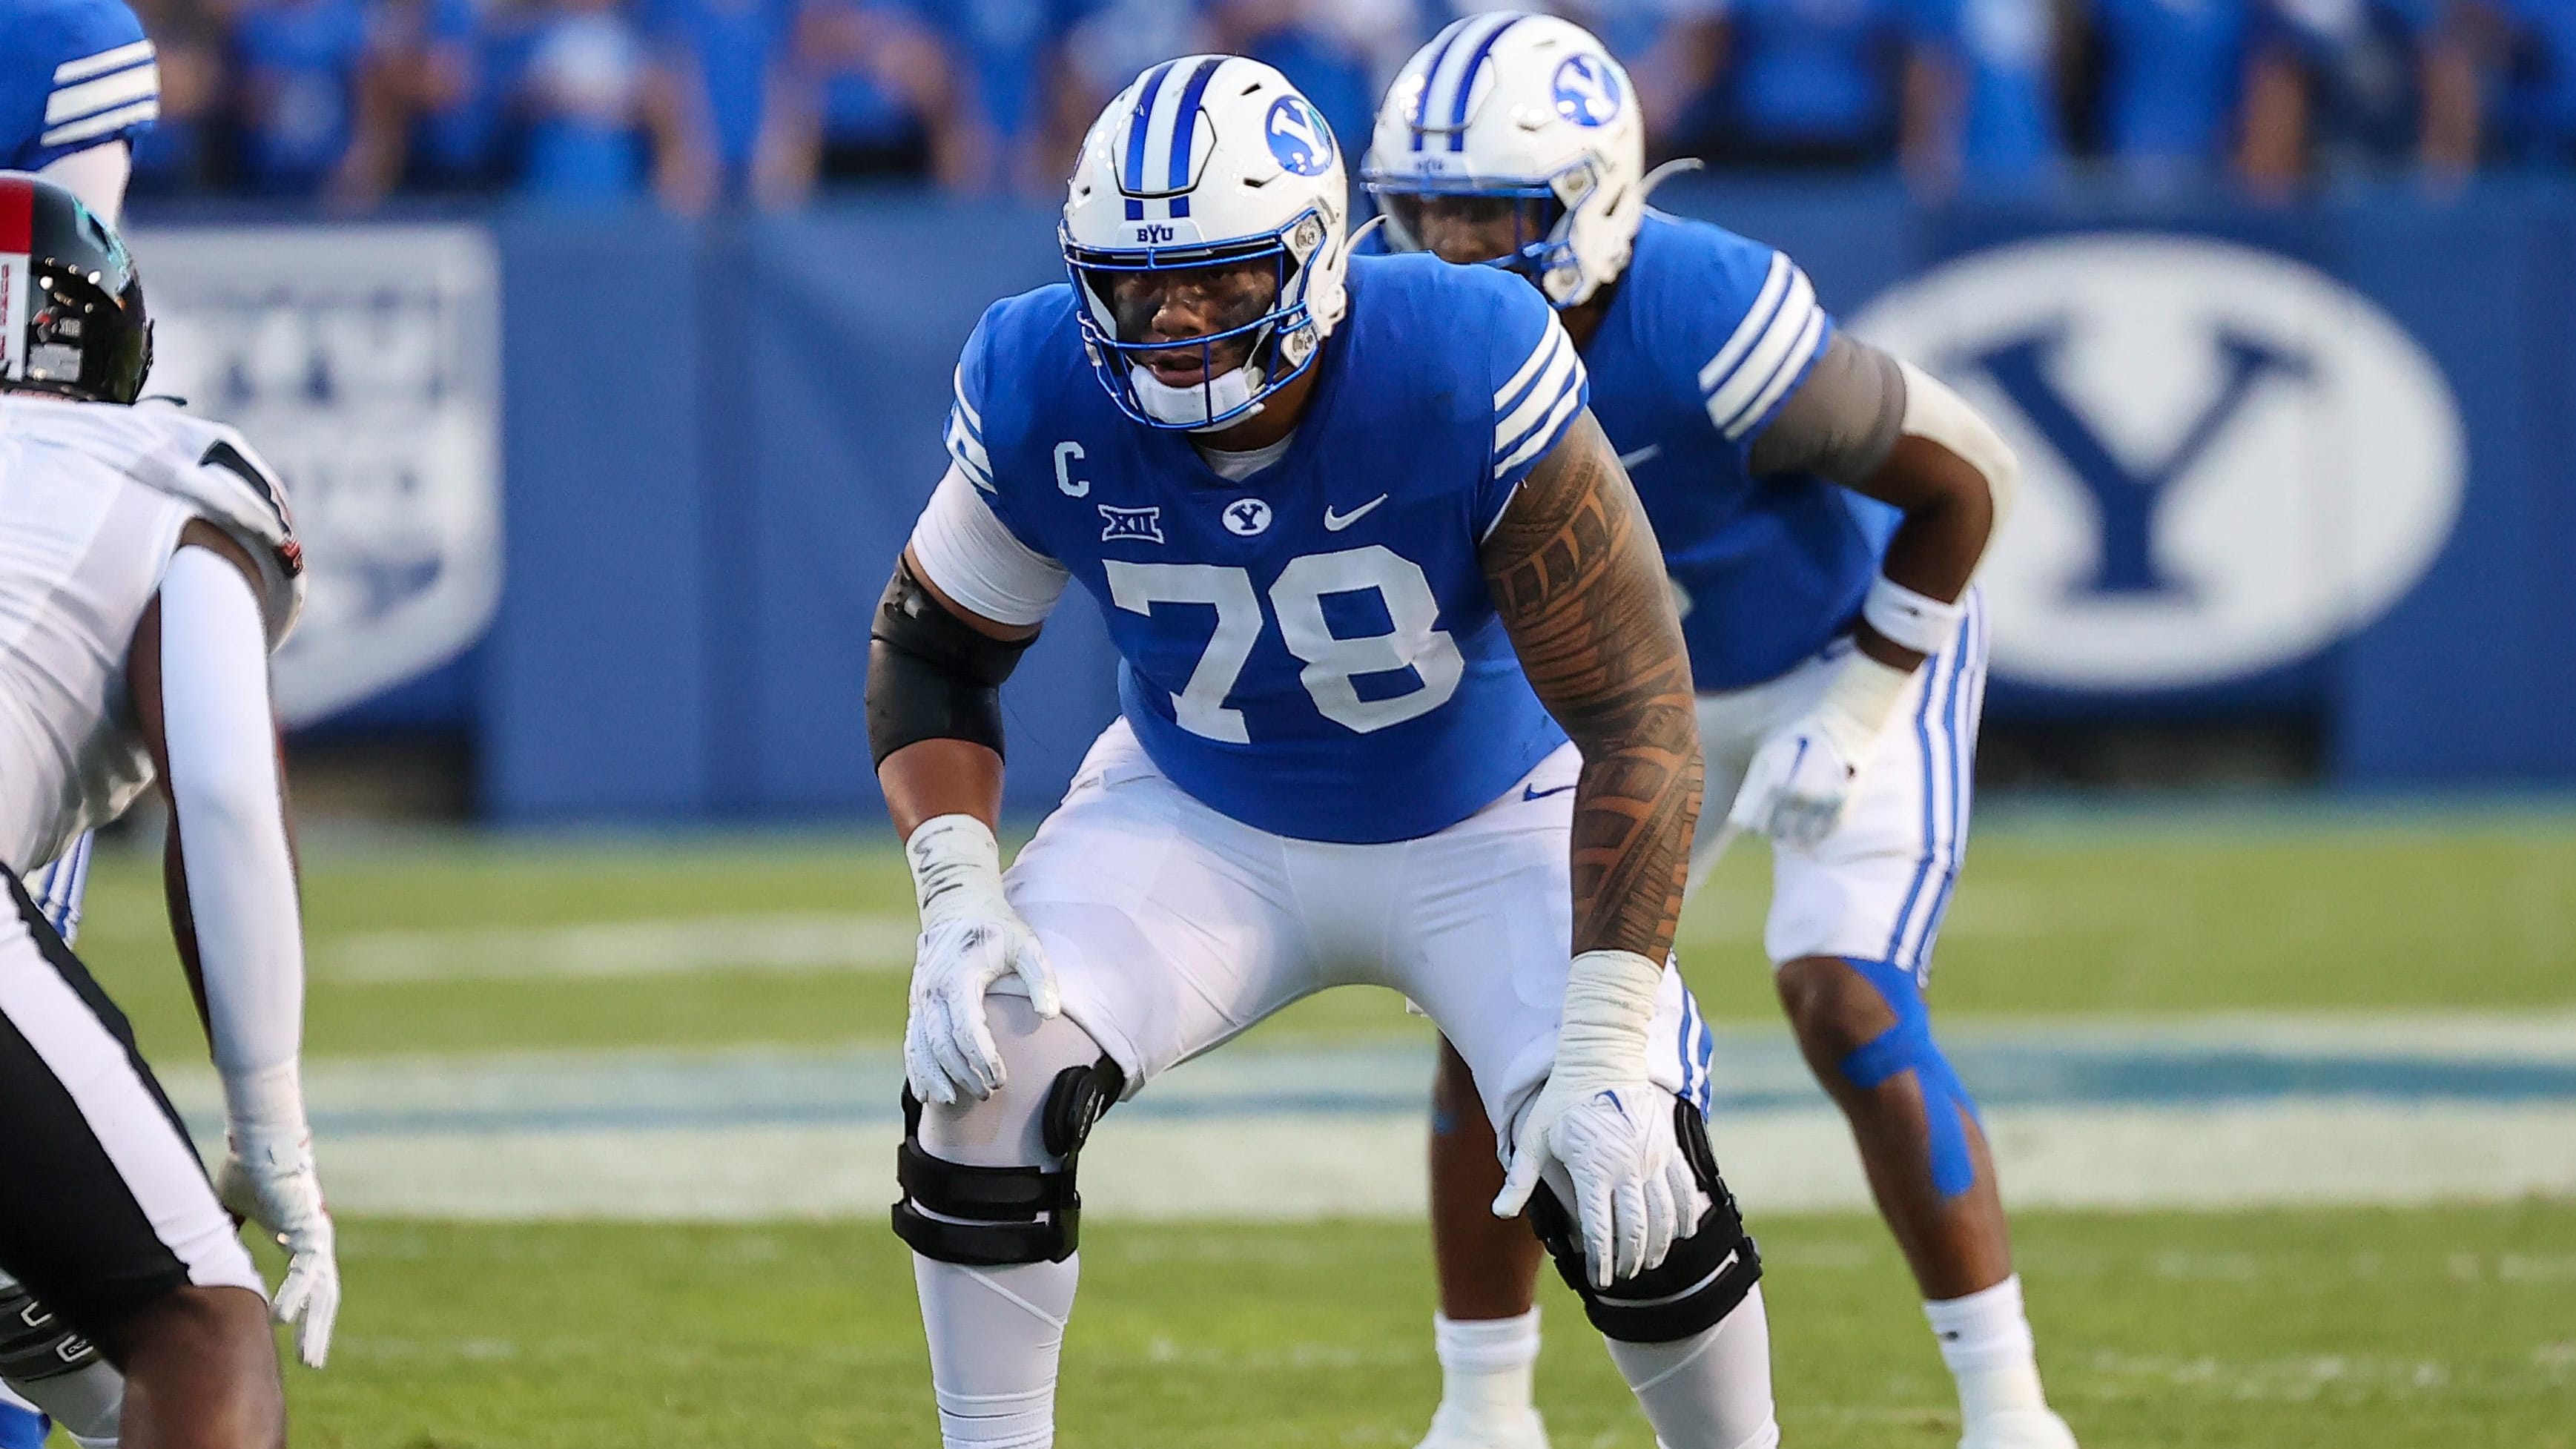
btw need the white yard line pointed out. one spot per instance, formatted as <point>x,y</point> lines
<point>1299,1167</point>
<point>676,946</point>
<point>2211,1113</point>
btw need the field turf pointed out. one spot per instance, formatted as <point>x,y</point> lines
<point>2361,1329</point>
<point>2337,1330</point>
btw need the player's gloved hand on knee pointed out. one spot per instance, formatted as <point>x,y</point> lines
<point>268,1177</point>
<point>1799,779</point>
<point>1610,1129</point>
<point>970,940</point>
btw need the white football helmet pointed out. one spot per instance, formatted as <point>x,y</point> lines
<point>1204,161</point>
<point>1526,108</point>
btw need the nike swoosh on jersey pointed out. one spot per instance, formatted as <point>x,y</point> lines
<point>1646,454</point>
<point>1336,522</point>
<point>1532,792</point>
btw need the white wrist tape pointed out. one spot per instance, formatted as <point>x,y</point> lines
<point>1609,1006</point>
<point>1856,705</point>
<point>956,870</point>
<point>1910,620</point>
<point>232,835</point>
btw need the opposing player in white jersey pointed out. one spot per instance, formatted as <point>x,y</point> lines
<point>1361,550</point>
<point>1838,682</point>
<point>151,568</point>
<point>78,81</point>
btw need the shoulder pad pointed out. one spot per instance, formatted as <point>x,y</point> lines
<point>214,470</point>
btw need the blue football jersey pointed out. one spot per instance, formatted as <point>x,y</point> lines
<point>1707,336</point>
<point>1312,650</point>
<point>73,74</point>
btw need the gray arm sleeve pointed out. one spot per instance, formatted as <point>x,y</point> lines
<point>1842,421</point>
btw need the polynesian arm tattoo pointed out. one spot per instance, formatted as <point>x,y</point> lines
<point>1579,581</point>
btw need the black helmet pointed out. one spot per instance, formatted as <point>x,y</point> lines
<point>70,301</point>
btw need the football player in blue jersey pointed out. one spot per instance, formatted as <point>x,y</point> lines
<point>1404,702</point>
<point>77,83</point>
<point>1838,681</point>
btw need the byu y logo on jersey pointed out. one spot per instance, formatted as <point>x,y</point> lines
<point>1247,516</point>
<point>1299,137</point>
<point>2229,459</point>
<point>1587,93</point>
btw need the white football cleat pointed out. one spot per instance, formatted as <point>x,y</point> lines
<point>2018,1429</point>
<point>1452,1428</point>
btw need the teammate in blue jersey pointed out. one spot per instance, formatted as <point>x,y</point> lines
<point>1838,682</point>
<point>1405,703</point>
<point>78,82</point>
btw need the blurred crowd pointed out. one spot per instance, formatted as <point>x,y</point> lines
<point>760,102</point>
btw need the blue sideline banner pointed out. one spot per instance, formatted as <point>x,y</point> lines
<point>2315,462</point>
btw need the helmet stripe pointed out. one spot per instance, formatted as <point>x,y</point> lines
<point>1134,178</point>
<point>1184,129</point>
<point>1431,73</point>
<point>1467,83</point>
<point>17,215</point>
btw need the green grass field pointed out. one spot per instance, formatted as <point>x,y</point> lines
<point>2361,1329</point>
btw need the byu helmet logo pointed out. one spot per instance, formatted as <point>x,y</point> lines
<point>2230,460</point>
<point>1299,137</point>
<point>1586,92</point>
<point>1247,516</point>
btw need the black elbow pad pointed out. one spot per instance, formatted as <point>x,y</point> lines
<point>931,676</point>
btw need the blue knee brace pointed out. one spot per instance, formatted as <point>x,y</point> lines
<point>1908,1047</point>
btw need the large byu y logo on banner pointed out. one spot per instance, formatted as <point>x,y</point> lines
<point>2229,460</point>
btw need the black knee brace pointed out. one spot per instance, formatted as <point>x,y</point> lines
<point>34,1344</point>
<point>1698,1283</point>
<point>992,1217</point>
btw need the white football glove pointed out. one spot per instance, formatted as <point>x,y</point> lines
<point>1608,1127</point>
<point>268,1178</point>
<point>1796,786</point>
<point>970,939</point>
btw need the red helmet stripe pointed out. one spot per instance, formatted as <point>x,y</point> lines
<point>17,215</point>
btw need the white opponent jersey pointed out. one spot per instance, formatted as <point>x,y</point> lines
<point>92,499</point>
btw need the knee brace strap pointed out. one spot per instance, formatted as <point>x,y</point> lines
<point>992,1217</point>
<point>1908,1047</point>
<point>1699,1282</point>
<point>34,1344</point>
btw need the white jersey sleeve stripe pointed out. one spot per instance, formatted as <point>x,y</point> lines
<point>104,124</point>
<point>1529,366</point>
<point>1546,435</point>
<point>1756,317</point>
<point>1782,379</point>
<point>103,62</point>
<point>965,550</point>
<point>1562,369</point>
<point>88,98</point>
<point>1751,375</point>
<point>969,453</point>
<point>974,419</point>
